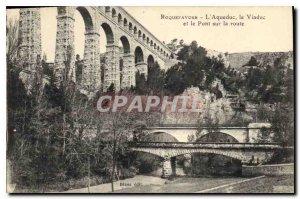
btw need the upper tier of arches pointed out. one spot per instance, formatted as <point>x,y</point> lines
<point>134,29</point>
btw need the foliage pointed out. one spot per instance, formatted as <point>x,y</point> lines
<point>154,83</point>
<point>155,79</point>
<point>197,69</point>
<point>260,86</point>
<point>174,45</point>
<point>283,124</point>
<point>56,134</point>
<point>252,62</point>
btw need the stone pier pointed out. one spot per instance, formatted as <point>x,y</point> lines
<point>91,78</point>
<point>169,167</point>
<point>166,168</point>
<point>64,50</point>
<point>128,72</point>
<point>112,67</point>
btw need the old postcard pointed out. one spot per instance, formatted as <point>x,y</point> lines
<point>107,99</point>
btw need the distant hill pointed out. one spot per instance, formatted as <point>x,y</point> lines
<point>237,60</point>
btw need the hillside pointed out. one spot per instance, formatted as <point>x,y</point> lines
<point>237,60</point>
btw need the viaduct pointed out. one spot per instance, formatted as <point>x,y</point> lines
<point>140,48</point>
<point>170,141</point>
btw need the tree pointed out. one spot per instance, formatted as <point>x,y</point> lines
<point>79,64</point>
<point>111,88</point>
<point>174,80</point>
<point>194,45</point>
<point>155,80</point>
<point>141,83</point>
<point>283,124</point>
<point>210,120</point>
<point>119,127</point>
<point>252,62</point>
<point>13,58</point>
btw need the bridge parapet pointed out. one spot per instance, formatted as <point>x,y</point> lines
<point>181,132</point>
<point>212,145</point>
<point>245,152</point>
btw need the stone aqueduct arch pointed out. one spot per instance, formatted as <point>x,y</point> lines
<point>118,25</point>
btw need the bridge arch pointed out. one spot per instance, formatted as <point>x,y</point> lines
<point>88,21</point>
<point>150,61</point>
<point>109,33</point>
<point>139,55</point>
<point>159,137</point>
<point>113,22</point>
<point>66,39</point>
<point>237,156</point>
<point>217,137</point>
<point>180,153</point>
<point>170,152</point>
<point>83,33</point>
<point>125,44</point>
<point>84,12</point>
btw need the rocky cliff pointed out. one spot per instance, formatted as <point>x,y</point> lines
<point>237,60</point>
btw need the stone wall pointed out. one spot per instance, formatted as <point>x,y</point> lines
<point>275,169</point>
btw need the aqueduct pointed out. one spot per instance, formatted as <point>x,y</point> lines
<point>130,47</point>
<point>140,47</point>
<point>140,50</point>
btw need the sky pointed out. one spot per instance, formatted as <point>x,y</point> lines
<point>273,34</point>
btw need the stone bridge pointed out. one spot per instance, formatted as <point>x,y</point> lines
<point>245,152</point>
<point>170,140</point>
<point>140,48</point>
<point>182,132</point>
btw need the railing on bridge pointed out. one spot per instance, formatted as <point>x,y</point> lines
<point>229,126</point>
<point>209,145</point>
<point>196,125</point>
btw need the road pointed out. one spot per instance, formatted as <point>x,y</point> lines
<point>150,184</point>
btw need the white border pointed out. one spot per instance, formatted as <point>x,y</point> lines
<point>3,5</point>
